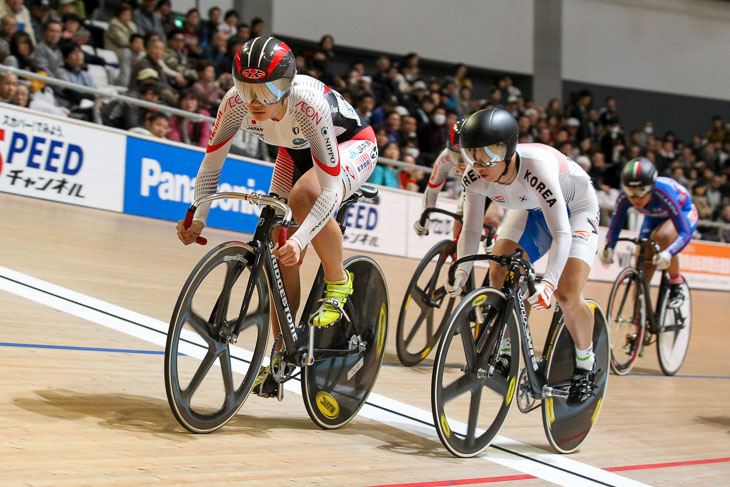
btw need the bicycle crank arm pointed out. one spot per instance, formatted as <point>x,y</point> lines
<point>548,391</point>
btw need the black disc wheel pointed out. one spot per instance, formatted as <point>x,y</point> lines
<point>675,325</point>
<point>426,306</point>
<point>473,385</point>
<point>348,354</point>
<point>626,315</point>
<point>207,377</point>
<point>567,425</point>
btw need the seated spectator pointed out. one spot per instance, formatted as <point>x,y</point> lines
<point>699,198</point>
<point>209,92</point>
<point>191,33</point>
<point>410,179</point>
<point>73,30</point>
<point>22,96</point>
<point>21,53</point>
<point>724,217</point>
<point>257,27</point>
<point>209,28</point>
<point>197,132</point>
<point>128,57</point>
<point>432,134</point>
<point>117,37</point>
<point>215,52</point>
<point>718,132</point>
<point>72,72</point>
<point>158,124</point>
<point>147,20</point>
<point>153,61</point>
<point>48,55</point>
<point>167,17</point>
<point>40,13</point>
<point>21,14</point>
<point>176,58</point>
<point>230,20</point>
<point>8,27</point>
<point>65,7</point>
<point>8,87</point>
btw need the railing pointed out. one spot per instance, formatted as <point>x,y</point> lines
<point>196,117</point>
<point>185,115</point>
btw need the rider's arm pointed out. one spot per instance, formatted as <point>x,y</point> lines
<point>230,115</point>
<point>555,211</point>
<point>684,230</point>
<point>320,132</point>
<point>471,232</point>
<point>618,218</point>
<point>441,170</point>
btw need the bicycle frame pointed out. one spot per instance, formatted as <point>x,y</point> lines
<point>297,338</point>
<point>515,302</point>
<point>652,310</point>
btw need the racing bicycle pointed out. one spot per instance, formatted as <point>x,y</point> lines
<point>635,324</point>
<point>475,382</point>
<point>220,327</point>
<point>426,306</point>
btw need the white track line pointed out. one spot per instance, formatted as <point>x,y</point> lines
<point>558,469</point>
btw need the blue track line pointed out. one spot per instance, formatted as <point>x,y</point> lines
<point>85,349</point>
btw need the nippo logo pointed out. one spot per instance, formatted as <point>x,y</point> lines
<point>253,73</point>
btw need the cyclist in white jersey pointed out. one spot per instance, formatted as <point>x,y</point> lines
<point>554,210</point>
<point>326,151</point>
<point>447,161</point>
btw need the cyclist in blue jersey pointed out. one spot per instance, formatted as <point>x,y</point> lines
<point>670,219</point>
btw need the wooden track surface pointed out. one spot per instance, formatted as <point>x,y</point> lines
<point>83,405</point>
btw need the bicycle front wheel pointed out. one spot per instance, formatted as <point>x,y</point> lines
<point>426,306</point>
<point>207,379</point>
<point>675,325</point>
<point>626,320</point>
<point>470,397</point>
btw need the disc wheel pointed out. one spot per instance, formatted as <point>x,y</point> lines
<point>674,333</point>
<point>207,378</point>
<point>567,426</point>
<point>334,388</point>
<point>426,306</point>
<point>470,400</point>
<point>626,320</point>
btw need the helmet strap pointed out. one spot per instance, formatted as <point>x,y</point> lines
<point>507,166</point>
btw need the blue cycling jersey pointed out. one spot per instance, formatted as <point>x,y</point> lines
<point>669,200</point>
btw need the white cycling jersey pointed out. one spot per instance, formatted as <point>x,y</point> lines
<point>547,181</point>
<point>319,129</point>
<point>441,170</point>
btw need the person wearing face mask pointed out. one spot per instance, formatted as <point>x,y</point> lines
<point>432,134</point>
<point>448,161</point>
<point>553,209</point>
<point>613,141</point>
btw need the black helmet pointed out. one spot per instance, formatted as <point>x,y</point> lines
<point>263,70</point>
<point>494,132</point>
<point>453,142</point>
<point>638,177</point>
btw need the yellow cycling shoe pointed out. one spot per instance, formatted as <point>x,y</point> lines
<point>265,385</point>
<point>335,296</point>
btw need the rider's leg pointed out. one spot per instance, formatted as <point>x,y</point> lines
<point>328,242</point>
<point>577,313</point>
<point>497,273</point>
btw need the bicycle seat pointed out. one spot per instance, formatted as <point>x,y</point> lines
<point>368,191</point>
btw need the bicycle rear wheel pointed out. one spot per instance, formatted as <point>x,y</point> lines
<point>334,388</point>
<point>199,358</point>
<point>626,319</point>
<point>568,426</point>
<point>470,400</point>
<point>420,327</point>
<point>674,332</point>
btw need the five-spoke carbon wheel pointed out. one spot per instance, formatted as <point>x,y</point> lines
<point>207,377</point>
<point>470,399</point>
<point>674,332</point>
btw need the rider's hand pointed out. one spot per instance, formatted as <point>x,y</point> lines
<point>662,259</point>
<point>542,296</point>
<point>289,253</point>
<point>454,289</point>
<point>606,256</point>
<point>421,230</point>
<point>489,244</point>
<point>188,235</point>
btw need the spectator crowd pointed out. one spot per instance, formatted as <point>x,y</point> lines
<point>148,52</point>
